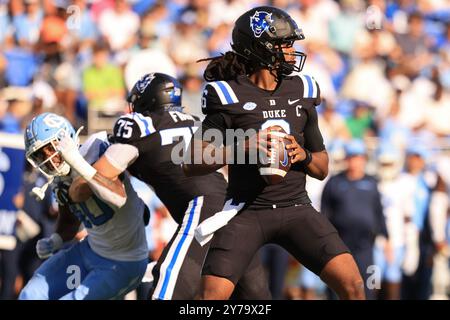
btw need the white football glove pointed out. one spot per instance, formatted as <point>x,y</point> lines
<point>46,246</point>
<point>69,151</point>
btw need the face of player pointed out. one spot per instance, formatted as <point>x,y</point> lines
<point>288,49</point>
<point>48,157</point>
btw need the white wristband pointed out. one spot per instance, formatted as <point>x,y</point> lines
<point>79,164</point>
<point>69,151</point>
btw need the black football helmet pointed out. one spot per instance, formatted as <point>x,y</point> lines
<point>259,33</point>
<point>155,91</point>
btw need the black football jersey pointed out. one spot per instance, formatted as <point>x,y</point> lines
<point>241,104</point>
<point>156,137</point>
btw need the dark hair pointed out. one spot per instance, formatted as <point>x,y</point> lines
<point>100,47</point>
<point>227,66</point>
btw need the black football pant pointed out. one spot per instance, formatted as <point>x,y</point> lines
<point>177,274</point>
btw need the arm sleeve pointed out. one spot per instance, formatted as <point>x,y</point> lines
<point>313,137</point>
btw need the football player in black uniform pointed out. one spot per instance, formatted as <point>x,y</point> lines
<point>252,88</point>
<point>154,128</point>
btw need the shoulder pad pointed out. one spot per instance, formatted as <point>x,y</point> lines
<point>132,126</point>
<point>217,94</point>
<point>94,147</point>
<point>310,87</point>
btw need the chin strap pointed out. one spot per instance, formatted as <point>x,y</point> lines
<point>77,134</point>
<point>39,192</point>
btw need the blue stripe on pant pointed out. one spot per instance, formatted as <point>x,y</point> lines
<point>98,277</point>
<point>177,250</point>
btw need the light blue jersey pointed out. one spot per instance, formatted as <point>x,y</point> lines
<point>78,273</point>
<point>113,258</point>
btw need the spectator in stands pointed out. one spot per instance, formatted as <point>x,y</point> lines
<point>389,256</point>
<point>5,24</point>
<point>53,28</point>
<point>187,44</point>
<point>192,93</point>
<point>332,124</point>
<point>349,20</point>
<point>352,202</point>
<point>392,130</point>
<point>438,111</point>
<point>147,59</point>
<point>220,39</point>
<point>82,26</point>
<point>119,26</point>
<point>414,46</point>
<point>361,123</point>
<point>103,81</point>
<point>422,192</point>
<point>28,24</point>
<point>20,64</point>
<point>19,105</point>
<point>156,24</point>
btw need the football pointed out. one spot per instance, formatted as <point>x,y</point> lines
<point>279,163</point>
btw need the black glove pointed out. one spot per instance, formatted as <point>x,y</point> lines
<point>61,191</point>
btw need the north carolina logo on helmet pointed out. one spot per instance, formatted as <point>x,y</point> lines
<point>259,22</point>
<point>53,120</point>
<point>144,82</point>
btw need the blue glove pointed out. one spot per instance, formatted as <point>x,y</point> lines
<point>46,246</point>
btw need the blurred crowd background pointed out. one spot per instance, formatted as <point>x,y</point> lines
<point>383,67</point>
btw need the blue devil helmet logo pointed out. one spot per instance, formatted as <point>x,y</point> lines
<point>259,22</point>
<point>143,83</point>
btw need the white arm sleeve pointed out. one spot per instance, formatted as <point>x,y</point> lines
<point>110,197</point>
<point>121,155</point>
<point>438,215</point>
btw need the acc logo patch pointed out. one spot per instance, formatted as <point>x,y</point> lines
<point>249,106</point>
<point>144,82</point>
<point>259,22</point>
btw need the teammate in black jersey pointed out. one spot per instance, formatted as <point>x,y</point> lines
<point>252,88</point>
<point>155,127</point>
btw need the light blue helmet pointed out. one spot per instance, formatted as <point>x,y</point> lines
<point>44,129</point>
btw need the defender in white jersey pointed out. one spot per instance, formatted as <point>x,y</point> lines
<point>112,259</point>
